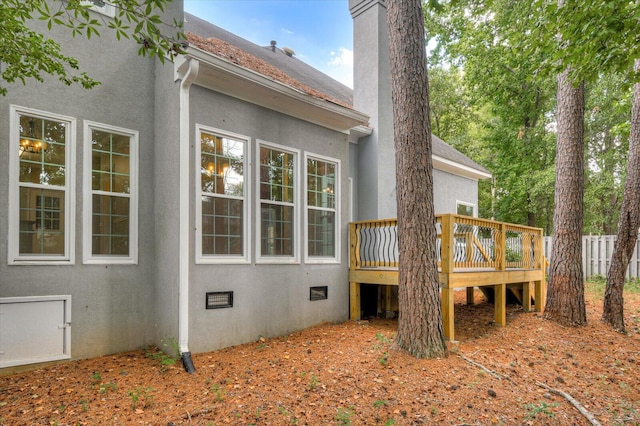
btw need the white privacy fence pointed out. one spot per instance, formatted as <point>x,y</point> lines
<point>596,255</point>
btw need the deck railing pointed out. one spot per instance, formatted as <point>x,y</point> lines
<point>463,243</point>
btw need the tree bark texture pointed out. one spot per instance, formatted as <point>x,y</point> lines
<point>565,295</point>
<point>628,224</point>
<point>420,329</point>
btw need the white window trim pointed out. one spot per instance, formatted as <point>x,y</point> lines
<point>13,253</point>
<point>464,203</point>
<point>246,236</point>
<point>295,259</point>
<point>337,225</point>
<point>108,9</point>
<point>88,256</point>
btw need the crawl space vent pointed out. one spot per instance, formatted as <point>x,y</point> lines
<point>219,299</point>
<point>318,293</point>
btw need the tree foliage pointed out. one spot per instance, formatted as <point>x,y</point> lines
<point>27,53</point>
<point>503,86</point>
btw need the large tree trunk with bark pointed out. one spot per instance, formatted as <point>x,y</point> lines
<point>628,224</point>
<point>565,296</point>
<point>420,329</point>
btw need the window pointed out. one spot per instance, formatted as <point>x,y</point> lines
<point>465,209</point>
<point>101,6</point>
<point>222,209</point>
<point>322,209</point>
<point>278,207</point>
<point>111,194</point>
<point>41,179</point>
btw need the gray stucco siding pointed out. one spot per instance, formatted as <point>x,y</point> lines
<point>269,299</point>
<point>109,310</point>
<point>448,189</point>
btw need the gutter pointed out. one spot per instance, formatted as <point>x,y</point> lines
<point>187,71</point>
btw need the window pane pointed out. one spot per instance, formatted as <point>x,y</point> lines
<point>276,230</point>
<point>41,221</point>
<point>120,144</point>
<point>222,226</point>
<point>321,181</point>
<point>110,225</point>
<point>110,162</point>
<point>321,233</point>
<point>276,175</point>
<point>42,151</point>
<point>465,209</point>
<point>221,165</point>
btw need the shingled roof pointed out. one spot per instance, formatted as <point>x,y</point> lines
<point>290,65</point>
<point>275,63</point>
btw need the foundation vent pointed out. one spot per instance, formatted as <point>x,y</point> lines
<point>219,299</point>
<point>318,293</point>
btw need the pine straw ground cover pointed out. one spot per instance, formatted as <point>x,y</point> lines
<point>347,373</point>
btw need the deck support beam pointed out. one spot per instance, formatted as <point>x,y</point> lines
<point>470,292</point>
<point>354,300</point>
<point>447,303</point>
<point>527,288</point>
<point>540,295</point>
<point>500,304</point>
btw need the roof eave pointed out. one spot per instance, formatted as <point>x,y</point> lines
<point>455,168</point>
<point>242,83</point>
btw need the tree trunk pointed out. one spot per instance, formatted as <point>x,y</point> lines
<point>565,296</point>
<point>628,224</point>
<point>420,329</point>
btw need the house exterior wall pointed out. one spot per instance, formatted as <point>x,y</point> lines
<point>449,189</point>
<point>268,299</point>
<point>111,303</point>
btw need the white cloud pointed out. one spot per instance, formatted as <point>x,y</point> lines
<point>340,66</point>
<point>343,58</point>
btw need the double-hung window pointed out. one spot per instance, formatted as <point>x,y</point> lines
<point>111,194</point>
<point>277,177</point>
<point>41,196</point>
<point>322,202</point>
<point>222,173</point>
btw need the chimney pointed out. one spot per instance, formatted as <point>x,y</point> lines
<point>273,45</point>
<point>372,95</point>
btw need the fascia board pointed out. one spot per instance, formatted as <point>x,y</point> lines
<point>452,167</point>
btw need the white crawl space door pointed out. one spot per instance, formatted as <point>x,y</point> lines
<point>34,329</point>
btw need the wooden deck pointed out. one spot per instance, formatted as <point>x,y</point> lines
<point>496,257</point>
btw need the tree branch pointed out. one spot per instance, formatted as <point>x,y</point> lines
<point>592,419</point>
<point>477,364</point>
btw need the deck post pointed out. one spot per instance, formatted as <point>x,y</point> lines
<point>540,295</point>
<point>502,247</point>
<point>387,300</point>
<point>526,295</point>
<point>470,292</point>
<point>354,301</point>
<point>447,246</point>
<point>500,303</point>
<point>447,302</point>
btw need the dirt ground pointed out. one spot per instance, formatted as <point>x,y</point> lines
<point>347,373</point>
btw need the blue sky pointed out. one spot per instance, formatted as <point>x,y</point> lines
<point>319,31</point>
